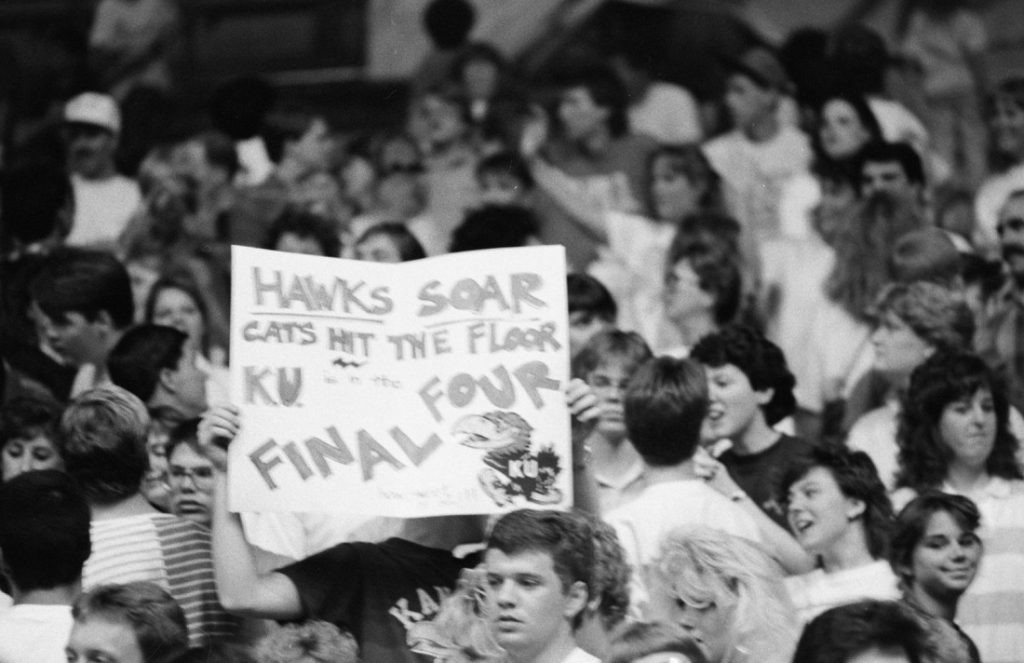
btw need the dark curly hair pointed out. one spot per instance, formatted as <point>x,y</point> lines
<point>858,479</point>
<point>945,378</point>
<point>760,360</point>
<point>611,574</point>
<point>719,271</point>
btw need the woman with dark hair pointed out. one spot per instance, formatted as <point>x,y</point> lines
<point>954,436</point>
<point>389,242</point>
<point>28,439</point>
<point>935,552</point>
<point>839,512</point>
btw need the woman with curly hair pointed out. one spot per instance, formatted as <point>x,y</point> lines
<point>839,512</point>
<point>727,592</point>
<point>955,436</point>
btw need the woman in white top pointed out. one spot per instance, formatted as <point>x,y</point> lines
<point>839,512</point>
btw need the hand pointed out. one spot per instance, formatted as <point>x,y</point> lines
<point>584,409</point>
<point>535,133</point>
<point>217,429</point>
<point>714,473</point>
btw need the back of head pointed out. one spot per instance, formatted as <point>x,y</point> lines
<point>568,538</point>
<point>86,282</point>
<point>927,254</point>
<point>239,106</point>
<point>44,530</point>
<point>304,225</point>
<point>637,640</point>
<point>156,619</point>
<point>665,404</point>
<point>495,227</point>
<point>142,353</point>
<point>859,58</point>
<point>841,634</point>
<point>938,315</point>
<point>103,432</point>
<point>627,349</point>
<point>758,358</point>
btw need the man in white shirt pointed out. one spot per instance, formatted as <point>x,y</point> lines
<point>540,568</point>
<point>44,542</point>
<point>104,199</point>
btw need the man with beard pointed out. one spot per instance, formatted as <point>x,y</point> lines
<point>104,199</point>
<point>1000,338</point>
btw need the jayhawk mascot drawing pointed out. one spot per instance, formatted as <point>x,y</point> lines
<point>512,469</point>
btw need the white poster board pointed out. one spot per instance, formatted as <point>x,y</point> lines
<point>432,387</point>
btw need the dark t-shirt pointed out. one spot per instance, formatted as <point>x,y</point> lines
<point>376,591</point>
<point>759,474</point>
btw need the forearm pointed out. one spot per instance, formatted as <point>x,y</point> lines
<point>781,546</point>
<point>584,486</point>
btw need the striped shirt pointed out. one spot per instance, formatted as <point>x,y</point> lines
<point>171,552</point>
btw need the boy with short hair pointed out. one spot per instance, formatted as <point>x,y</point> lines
<point>592,309</point>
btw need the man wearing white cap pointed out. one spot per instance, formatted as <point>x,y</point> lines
<point>104,199</point>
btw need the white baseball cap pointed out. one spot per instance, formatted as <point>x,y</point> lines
<point>96,109</point>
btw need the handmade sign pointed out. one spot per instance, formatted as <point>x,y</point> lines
<point>432,387</point>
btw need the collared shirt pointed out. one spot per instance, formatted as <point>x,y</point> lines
<point>613,492</point>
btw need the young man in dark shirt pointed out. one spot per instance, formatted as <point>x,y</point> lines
<point>751,390</point>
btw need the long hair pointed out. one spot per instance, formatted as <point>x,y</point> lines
<point>689,161</point>
<point>701,564</point>
<point>945,378</point>
<point>862,248</point>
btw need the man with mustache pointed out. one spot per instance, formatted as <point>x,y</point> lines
<point>1001,324</point>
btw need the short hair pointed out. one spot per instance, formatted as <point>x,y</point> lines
<point>938,315</point>
<point>32,197</point>
<point>858,479</point>
<point>912,522</point>
<point>637,640</point>
<point>25,417</point>
<point>926,254</point>
<point>665,405</point>
<point>409,248</point>
<point>85,282</point>
<point>494,227</point>
<point>604,87</point>
<point>506,162</point>
<point>887,152</point>
<point>103,432</point>
<point>718,272</point>
<point>759,359</point>
<point>942,379</point>
<point>44,530</point>
<point>689,161</point>
<point>309,641</point>
<point>137,359</point>
<point>568,538</point>
<point>700,564</point>
<point>859,58</point>
<point>840,634</point>
<point>305,224</point>
<point>156,619</point>
<point>604,347</point>
<point>588,295</point>
<point>611,575</point>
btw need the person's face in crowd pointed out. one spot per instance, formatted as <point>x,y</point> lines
<point>480,79</point>
<point>1011,236</point>
<point>818,512</point>
<point>967,428</point>
<point>608,382</point>
<point>399,194</point>
<point>582,326</point>
<point>191,476</point>
<point>841,131</point>
<point>78,341</point>
<point>441,119</point>
<point>747,101</point>
<point>898,349</point>
<point>880,655</point>
<point>90,150</point>
<point>532,607</point>
<point>709,623</point>
<point>734,403</point>
<point>945,560</point>
<point>580,115</point>
<point>1007,127</point>
<point>837,198</point>
<point>294,243</point>
<point>96,639</point>
<point>886,177</point>
<point>501,188</point>
<point>314,148</point>
<point>683,295</point>
<point>378,248</point>
<point>176,308</point>
<point>22,455</point>
<point>672,192</point>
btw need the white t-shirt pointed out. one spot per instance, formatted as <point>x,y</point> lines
<point>667,113</point>
<point>102,209</point>
<point>34,633</point>
<point>815,592</point>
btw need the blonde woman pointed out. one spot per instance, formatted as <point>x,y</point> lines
<point>727,593</point>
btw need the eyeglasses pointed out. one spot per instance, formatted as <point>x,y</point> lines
<point>1014,224</point>
<point>200,476</point>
